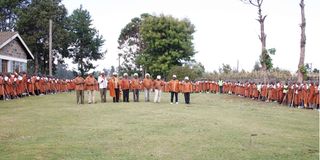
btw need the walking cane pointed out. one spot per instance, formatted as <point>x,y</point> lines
<point>291,104</point>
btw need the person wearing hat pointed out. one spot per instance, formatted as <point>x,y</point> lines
<point>125,86</point>
<point>103,84</point>
<point>147,86</point>
<point>187,89</point>
<point>174,88</point>
<point>79,82</point>
<point>114,87</point>
<point>157,86</point>
<point>135,86</point>
<point>90,86</point>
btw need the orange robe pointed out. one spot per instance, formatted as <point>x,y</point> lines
<point>90,83</point>
<point>186,87</point>
<point>174,86</point>
<point>147,83</point>
<point>135,84</point>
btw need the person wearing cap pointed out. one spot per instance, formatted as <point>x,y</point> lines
<point>157,86</point>
<point>187,89</point>
<point>114,87</point>
<point>90,83</point>
<point>103,83</point>
<point>79,82</point>
<point>147,86</point>
<point>125,87</point>
<point>174,88</point>
<point>135,86</point>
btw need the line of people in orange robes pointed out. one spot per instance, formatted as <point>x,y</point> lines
<point>18,85</point>
<point>304,95</point>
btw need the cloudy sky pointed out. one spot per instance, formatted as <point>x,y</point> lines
<point>226,30</point>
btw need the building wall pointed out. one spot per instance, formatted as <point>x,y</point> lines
<point>14,49</point>
<point>16,56</point>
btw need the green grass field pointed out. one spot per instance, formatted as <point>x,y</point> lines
<point>212,127</point>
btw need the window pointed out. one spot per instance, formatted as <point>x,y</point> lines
<point>4,66</point>
<point>17,66</point>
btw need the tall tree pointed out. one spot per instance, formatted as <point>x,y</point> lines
<point>33,26</point>
<point>168,43</point>
<point>86,42</point>
<point>264,57</point>
<point>9,13</point>
<point>302,43</point>
<point>131,44</point>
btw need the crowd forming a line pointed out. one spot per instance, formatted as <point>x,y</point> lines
<point>12,86</point>
<point>123,85</point>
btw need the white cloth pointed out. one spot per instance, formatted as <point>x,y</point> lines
<point>91,98</point>
<point>157,95</point>
<point>147,95</point>
<point>103,83</point>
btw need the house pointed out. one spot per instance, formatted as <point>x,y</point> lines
<point>14,53</point>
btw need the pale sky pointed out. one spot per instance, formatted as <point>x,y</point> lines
<point>226,30</point>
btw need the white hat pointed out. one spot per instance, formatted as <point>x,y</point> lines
<point>174,76</point>
<point>135,74</point>
<point>125,74</point>
<point>115,73</point>
<point>158,77</point>
<point>186,78</point>
<point>147,74</point>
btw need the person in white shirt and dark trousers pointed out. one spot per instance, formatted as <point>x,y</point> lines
<point>103,84</point>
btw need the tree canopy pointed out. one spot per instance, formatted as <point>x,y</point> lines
<point>33,26</point>
<point>157,43</point>
<point>86,42</point>
<point>9,10</point>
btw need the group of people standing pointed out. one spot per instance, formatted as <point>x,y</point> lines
<point>292,94</point>
<point>18,85</point>
<point>118,86</point>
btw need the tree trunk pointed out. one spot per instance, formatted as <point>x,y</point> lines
<point>302,42</point>
<point>262,38</point>
<point>81,68</point>
<point>36,63</point>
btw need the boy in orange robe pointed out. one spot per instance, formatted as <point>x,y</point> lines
<point>187,89</point>
<point>90,83</point>
<point>114,87</point>
<point>147,86</point>
<point>79,87</point>
<point>125,86</point>
<point>174,88</point>
<point>135,86</point>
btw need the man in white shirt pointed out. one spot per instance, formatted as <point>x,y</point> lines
<point>103,83</point>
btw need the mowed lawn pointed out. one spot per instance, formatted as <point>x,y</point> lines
<point>213,127</point>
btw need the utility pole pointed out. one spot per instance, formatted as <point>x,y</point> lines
<point>238,65</point>
<point>50,47</point>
